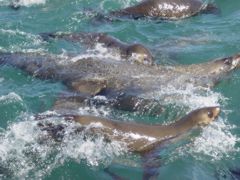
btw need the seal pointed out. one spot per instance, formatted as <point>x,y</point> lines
<point>131,52</point>
<point>166,9</point>
<point>139,138</point>
<point>96,76</point>
<point>119,80</point>
<point>142,138</point>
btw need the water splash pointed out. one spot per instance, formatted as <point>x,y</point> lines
<point>20,41</point>
<point>29,3</point>
<point>101,52</point>
<point>28,152</point>
<point>216,141</point>
<point>189,96</point>
<point>10,98</point>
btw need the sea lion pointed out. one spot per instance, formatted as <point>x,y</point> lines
<point>166,9</point>
<point>139,138</point>
<point>131,52</point>
<point>149,135</point>
<point>113,79</point>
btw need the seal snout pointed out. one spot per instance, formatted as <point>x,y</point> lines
<point>236,61</point>
<point>216,111</point>
<point>233,61</point>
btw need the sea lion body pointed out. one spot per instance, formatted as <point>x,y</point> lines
<point>116,76</point>
<point>131,52</point>
<point>118,81</point>
<point>142,137</point>
<point>165,9</point>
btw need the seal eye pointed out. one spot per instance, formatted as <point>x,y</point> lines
<point>210,114</point>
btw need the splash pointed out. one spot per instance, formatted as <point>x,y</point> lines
<point>189,96</point>
<point>10,98</point>
<point>101,52</point>
<point>216,141</point>
<point>21,41</point>
<point>28,152</point>
<point>30,2</point>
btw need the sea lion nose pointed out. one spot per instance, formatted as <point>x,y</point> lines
<point>236,61</point>
<point>216,111</point>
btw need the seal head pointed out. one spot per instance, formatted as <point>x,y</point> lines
<point>139,54</point>
<point>204,116</point>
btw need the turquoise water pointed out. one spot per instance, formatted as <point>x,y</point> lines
<point>197,39</point>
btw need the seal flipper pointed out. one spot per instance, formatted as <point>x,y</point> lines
<point>151,164</point>
<point>235,173</point>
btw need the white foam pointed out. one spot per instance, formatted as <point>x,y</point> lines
<point>11,97</point>
<point>216,141</point>
<point>30,2</point>
<point>189,96</point>
<point>27,152</point>
<point>99,51</point>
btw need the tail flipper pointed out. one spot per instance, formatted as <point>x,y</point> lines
<point>151,165</point>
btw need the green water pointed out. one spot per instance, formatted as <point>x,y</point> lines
<point>193,40</point>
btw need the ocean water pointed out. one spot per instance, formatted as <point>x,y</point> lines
<point>209,155</point>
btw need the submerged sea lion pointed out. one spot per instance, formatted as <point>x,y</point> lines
<point>166,9</point>
<point>133,52</point>
<point>113,78</point>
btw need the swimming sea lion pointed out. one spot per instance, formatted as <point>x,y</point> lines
<point>110,76</point>
<point>166,9</point>
<point>113,78</point>
<point>149,135</point>
<point>140,138</point>
<point>133,52</point>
